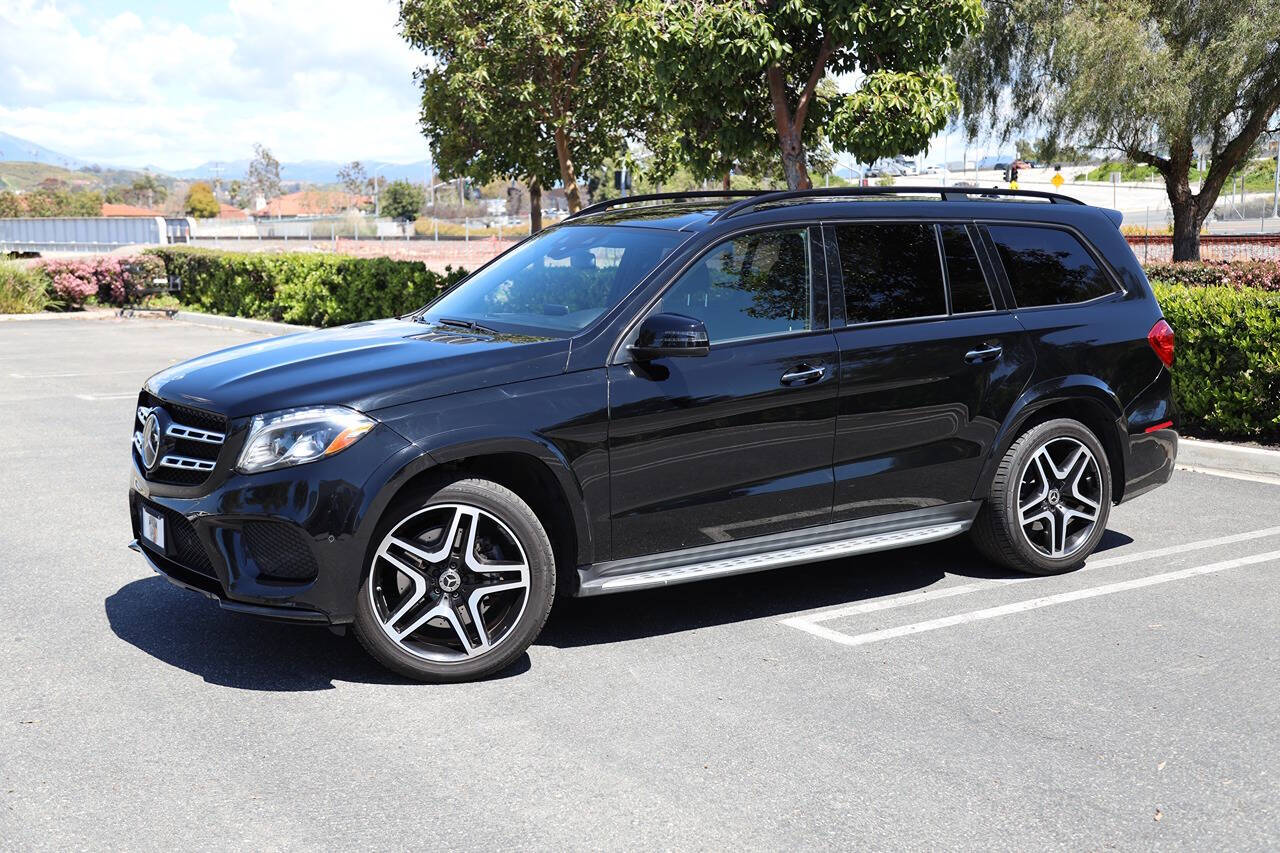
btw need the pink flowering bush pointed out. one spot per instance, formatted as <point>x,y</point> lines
<point>107,279</point>
<point>1260,274</point>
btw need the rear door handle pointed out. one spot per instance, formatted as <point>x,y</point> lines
<point>983,353</point>
<point>803,375</point>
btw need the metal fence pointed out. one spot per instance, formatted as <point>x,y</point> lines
<point>83,234</point>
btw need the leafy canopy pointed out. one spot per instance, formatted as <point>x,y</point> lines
<point>735,77</point>
<point>539,89</point>
<point>1154,81</point>
<point>200,202</point>
<point>402,200</point>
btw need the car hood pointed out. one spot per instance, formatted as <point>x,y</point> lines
<point>366,366</point>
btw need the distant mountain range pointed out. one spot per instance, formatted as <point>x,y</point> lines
<point>14,148</point>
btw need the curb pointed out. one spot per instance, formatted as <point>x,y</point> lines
<point>243,324</point>
<point>1231,459</point>
<point>95,314</point>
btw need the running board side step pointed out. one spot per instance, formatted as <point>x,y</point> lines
<point>770,559</point>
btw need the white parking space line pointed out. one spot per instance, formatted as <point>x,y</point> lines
<point>69,375</point>
<point>1030,604</point>
<point>93,397</point>
<point>1231,475</point>
<point>807,621</point>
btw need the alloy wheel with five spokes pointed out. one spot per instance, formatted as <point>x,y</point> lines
<point>449,583</point>
<point>1059,497</point>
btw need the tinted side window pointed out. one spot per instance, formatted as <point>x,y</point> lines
<point>756,284</point>
<point>968,285</point>
<point>1048,266</point>
<point>890,271</point>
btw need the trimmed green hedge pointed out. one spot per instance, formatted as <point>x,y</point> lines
<point>313,289</point>
<point>1226,370</point>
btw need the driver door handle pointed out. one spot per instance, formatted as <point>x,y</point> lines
<point>986,352</point>
<point>803,375</point>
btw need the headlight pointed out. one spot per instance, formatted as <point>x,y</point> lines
<point>294,436</point>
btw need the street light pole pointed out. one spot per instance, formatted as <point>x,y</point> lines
<point>377,194</point>
<point>1275,198</point>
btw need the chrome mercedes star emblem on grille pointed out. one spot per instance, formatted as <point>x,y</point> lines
<point>150,449</point>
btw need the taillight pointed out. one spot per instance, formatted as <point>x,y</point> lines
<point>1161,339</point>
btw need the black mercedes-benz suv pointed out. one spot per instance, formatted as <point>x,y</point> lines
<point>663,389</point>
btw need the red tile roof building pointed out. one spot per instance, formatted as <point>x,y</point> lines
<point>311,203</point>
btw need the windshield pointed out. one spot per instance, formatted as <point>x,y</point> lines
<point>561,280</point>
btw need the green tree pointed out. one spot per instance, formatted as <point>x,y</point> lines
<point>263,177</point>
<point>353,177</point>
<point>732,74</point>
<point>147,191</point>
<point>1153,81</point>
<point>527,79</point>
<point>10,205</point>
<point>200,202</point>
<point>402,200</point>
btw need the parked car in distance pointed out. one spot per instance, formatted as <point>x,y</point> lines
<point>664,389</point>
<point>1023,164</point>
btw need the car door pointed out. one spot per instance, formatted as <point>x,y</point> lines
<point>737,443</point>
<point>930,363</point>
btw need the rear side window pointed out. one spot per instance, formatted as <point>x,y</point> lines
<point>890,271</point>
<point>968,285</point>
<point>1048,266</point>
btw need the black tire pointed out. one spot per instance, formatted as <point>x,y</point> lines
<point>514,517</point>
<point>998,530</point>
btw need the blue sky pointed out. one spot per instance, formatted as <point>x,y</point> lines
<point>178,83</point>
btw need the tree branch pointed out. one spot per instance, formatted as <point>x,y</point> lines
<point>806,96</point>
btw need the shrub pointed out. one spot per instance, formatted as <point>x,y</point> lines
<point>1226,376</point>
<point>23,290</point>
<point>313,289</point>
<point>1264,275</point>
<point>108,279</point>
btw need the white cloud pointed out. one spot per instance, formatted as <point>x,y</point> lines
<point>312,79</point>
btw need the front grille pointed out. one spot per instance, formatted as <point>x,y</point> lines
<point>190,446</point>
<point>280,550</point>
<point>181,542</point>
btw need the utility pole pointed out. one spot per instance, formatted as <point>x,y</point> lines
<point>1275,198</point>
<point>377,195</point>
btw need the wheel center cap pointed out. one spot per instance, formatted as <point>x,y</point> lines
<point>450,580</point>
<point>1054,498</point>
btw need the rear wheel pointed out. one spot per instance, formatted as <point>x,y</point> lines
<point>1048,504</point>
<point>460,584</point>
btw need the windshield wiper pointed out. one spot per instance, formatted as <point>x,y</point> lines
<point>466,324</point>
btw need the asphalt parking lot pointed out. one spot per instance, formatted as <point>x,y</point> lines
<point>905,700</point>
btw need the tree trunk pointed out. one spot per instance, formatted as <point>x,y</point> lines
<point>726,184</point>
<point>1186,231</point>
<point>790,139</point>
<point>535,205</point>
<point>1187,215</point>
<point>567,176</point>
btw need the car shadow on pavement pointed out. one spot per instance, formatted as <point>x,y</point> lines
<point>190,632</point>
<point>776,593</point>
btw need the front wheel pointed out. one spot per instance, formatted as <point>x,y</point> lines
<point>1048,504</point>
<point>460,584</point>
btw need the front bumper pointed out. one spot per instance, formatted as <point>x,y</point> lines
<point>288,544</point>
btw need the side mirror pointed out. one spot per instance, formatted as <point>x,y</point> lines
<point>670,336</point>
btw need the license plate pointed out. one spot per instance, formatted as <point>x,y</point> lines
<point>153,527</point>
